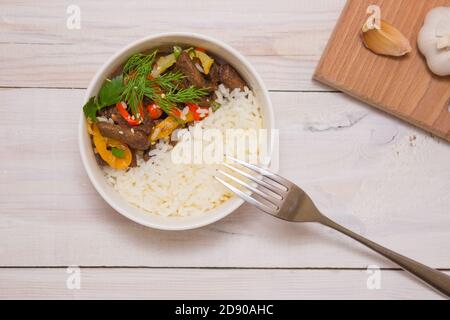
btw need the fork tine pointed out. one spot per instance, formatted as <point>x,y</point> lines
<point>270,199</point>
<point>246,197</point>
<point>266,173</point>
<point>278,191</point>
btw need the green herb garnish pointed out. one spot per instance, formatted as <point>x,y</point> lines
<point>136,72</point>
<point>164,90</point>
<point>177,51</point>
<point>215,106</point>
<point>90,109</point>
<point>135,84</point>
<point>140,63</point>
<point>169,81</point>
<point>174,96</point>
<point>111,92</point>
<point>119,153</point>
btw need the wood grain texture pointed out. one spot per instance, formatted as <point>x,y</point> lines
<point>355,162</point>
<point>284,40</point>
<point>105,283</point>
<point>403,86</point>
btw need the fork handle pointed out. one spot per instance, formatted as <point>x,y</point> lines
<point>434,278</point>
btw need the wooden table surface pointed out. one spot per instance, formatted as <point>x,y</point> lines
<point>369,171</point>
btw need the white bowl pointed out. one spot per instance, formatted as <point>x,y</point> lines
<point>112,197</point>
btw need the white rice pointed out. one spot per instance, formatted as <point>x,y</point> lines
<point>163,188</point>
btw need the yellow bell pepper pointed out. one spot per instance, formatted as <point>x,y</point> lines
<point>101,144</point>
<point>206,60</point>
<point>163,64</point>
<point>89,125</point>
<point>164,129</point>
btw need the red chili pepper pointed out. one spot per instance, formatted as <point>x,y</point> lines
<point>193,109</point>
<point>200,49</point>
<point>154,111</point>
<point>122,108</point>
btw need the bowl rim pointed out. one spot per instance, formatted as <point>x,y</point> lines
<point>188,223</point>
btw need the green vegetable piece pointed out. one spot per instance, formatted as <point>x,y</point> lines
<point>119,153</point>
<point>215,106</point>
<point>90,109</point>
<point>177,51</point>
<point>111,92</point>
<point>191,52</point>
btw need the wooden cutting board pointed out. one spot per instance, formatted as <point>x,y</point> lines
<point>403,86</point>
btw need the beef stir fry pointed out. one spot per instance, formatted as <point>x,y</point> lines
<point>153,95</point>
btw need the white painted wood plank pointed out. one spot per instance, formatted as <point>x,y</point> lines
<point>283,39</point>
<point>209,284</point>
<point>358,164</point>
<point>32,65</point>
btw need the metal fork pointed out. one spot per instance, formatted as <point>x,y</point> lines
<point>284,200</point>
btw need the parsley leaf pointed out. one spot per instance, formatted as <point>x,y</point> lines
<point>119,153</point>
<point>111,92</point>
<point>90,109</point>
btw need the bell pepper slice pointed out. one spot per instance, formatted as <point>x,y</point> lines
<point>206,60</point>
<point>164,129</point>
<point>132,120</point>
<point>196,111</point>
<point>194,114</point>
<point>154,111</point>
<point>102,144</point>
<point>163,64</point>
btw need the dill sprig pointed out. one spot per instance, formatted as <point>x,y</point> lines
<point>136,71</point>
<point>164,90</point>
<point>169,81</point>
<point>188,95</point>
<point>140,63</point>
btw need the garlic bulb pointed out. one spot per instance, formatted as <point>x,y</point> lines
<point>434,40</point>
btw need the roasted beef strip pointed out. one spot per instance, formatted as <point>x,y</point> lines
<point>133,163</point>
<point>146,126</point>
<point>192,74</point>
<point>214,77</point>
<point>133,138</point>
<point>107,112</point>
<point>146,156</point>
<point>230,77</point>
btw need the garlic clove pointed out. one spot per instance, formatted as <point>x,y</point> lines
<point>386,40</point>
